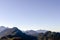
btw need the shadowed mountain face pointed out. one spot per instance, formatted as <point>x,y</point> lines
<point>15,32</point>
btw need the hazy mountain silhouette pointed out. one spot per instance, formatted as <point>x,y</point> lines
<point>31,32</point>
<point>41,31</point>
<point>35,33</point>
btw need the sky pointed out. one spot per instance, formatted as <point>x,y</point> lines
<point>30,14</point>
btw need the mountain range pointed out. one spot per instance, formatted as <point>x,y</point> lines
<point>7,31</point>
<point>15,32</point>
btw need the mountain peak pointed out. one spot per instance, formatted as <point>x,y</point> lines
<point>14,28</point>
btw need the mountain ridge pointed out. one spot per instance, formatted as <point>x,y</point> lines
<point>15,32</point>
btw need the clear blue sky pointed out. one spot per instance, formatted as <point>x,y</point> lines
<point>30,14</point>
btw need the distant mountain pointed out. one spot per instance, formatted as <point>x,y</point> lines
<point>41,31</point>
<point>15,32</point>
<point>34,33</point>
<point>31,32</point>
<point>2,28</point>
